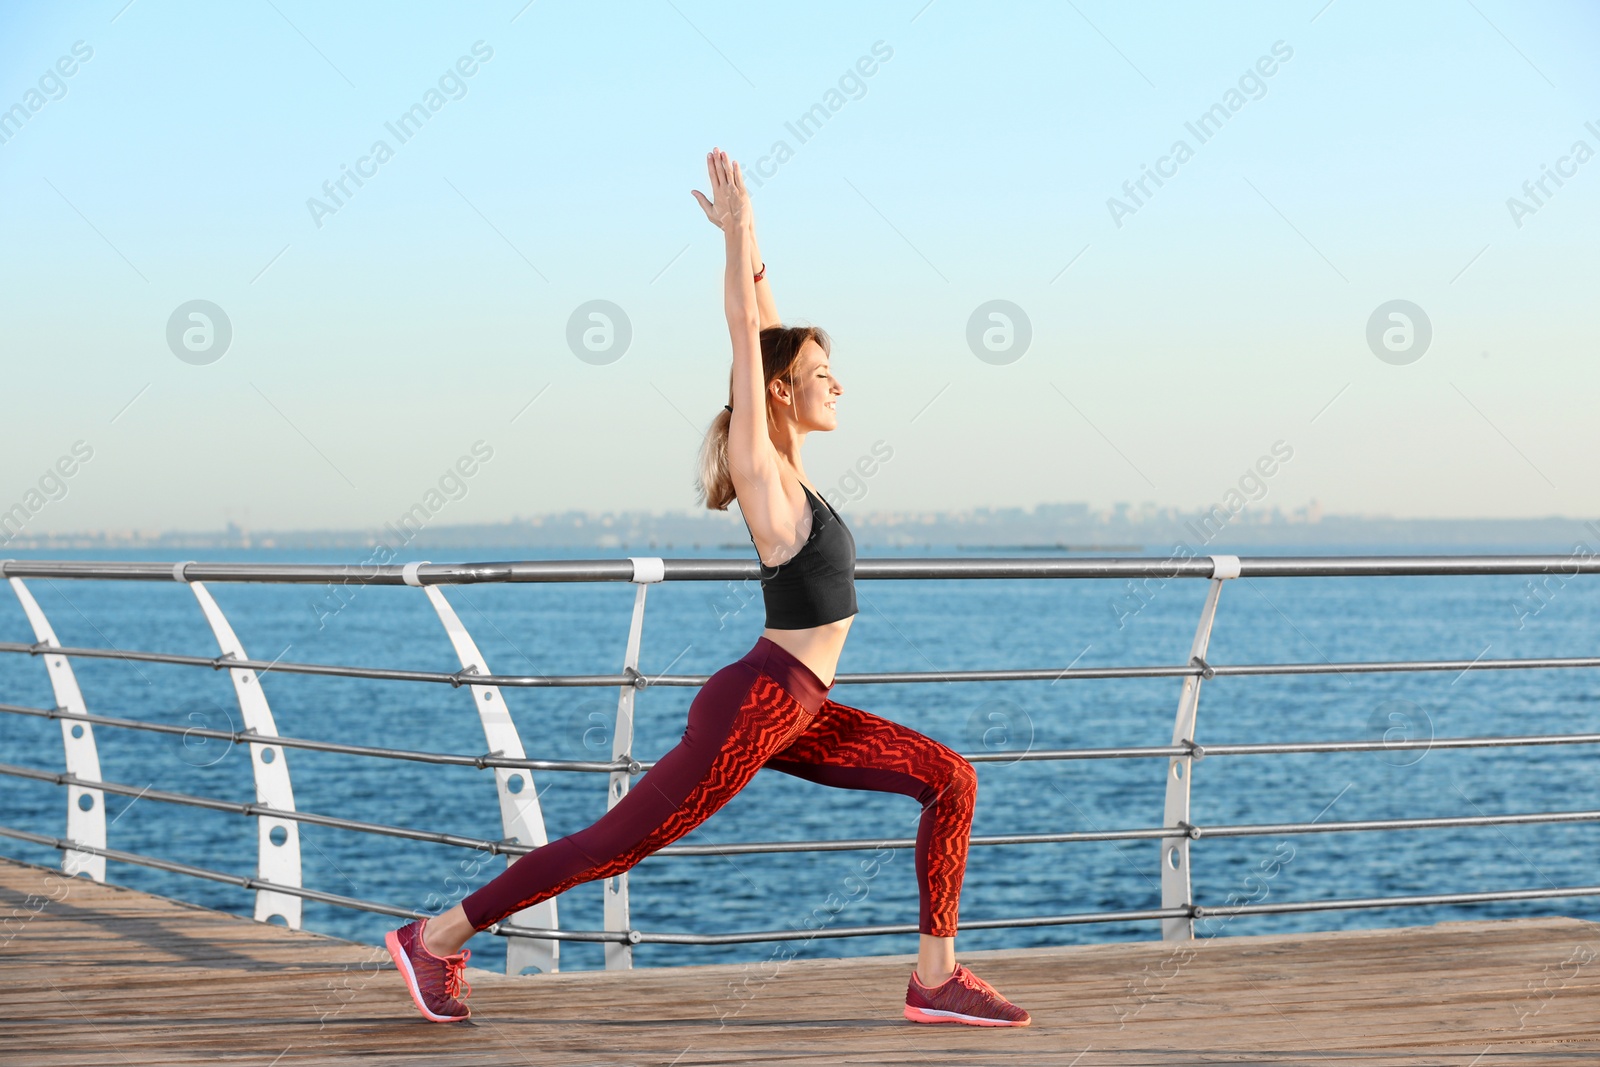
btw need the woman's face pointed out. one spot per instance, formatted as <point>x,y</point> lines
<point>816,390</point>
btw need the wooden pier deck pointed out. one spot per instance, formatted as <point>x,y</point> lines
<point>99,974</point>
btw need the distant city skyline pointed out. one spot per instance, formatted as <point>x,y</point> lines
<point>300,268</point>
<point>1063,526</point>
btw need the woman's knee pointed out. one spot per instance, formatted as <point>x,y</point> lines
<point>955,779</point>
<point>964,778</point>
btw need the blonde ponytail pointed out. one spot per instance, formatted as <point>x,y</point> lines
<point>714,486</point>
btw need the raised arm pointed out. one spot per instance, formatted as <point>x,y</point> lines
<point>732,213</point>
<point>753,460</point>
<point>766,307</point>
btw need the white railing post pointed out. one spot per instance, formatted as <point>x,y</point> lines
<point>1176,888</point>
<point>86,806</point>
<point>646,570</point>
<point>521,819</point>
<point>277,840</point>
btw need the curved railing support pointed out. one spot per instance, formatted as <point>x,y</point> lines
<point>86,807</point>
<point>521,819</point>
<point>277,840</point>
<point>1176,889</point>
<point>646,570</point>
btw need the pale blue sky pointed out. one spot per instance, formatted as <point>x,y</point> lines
<point>1227,313</point>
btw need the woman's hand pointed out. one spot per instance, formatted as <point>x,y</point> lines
<point>732,199</point>
<point>730,203</point>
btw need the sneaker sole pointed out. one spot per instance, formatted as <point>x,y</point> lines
<point>391,941</point>
<point>931,1015</point>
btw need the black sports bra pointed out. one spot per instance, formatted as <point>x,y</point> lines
<point>818,583</point>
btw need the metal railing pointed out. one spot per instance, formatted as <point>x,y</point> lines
<point>534,934</point>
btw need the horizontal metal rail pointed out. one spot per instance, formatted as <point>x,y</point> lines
<point>885,929</point>
<point>642,681</point>
<point>249,736</point>
<point>243,881</point>
<point>621,570</point>
<point>1196,911</point>
<point>507,848</point>
<point>1256,748</point>
<point>507,930</point>
<point>636,937</point>
<point>1416,901</point>
<point>1152,832</point>
<point>238,807</point>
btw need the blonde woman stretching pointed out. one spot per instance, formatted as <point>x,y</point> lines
<point>771,707</point>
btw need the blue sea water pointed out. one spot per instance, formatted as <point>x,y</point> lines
<point>697,627</point>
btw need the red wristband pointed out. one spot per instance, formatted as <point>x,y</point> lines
<point>762,273</point>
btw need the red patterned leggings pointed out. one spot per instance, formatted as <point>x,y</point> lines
<point>765,710</point>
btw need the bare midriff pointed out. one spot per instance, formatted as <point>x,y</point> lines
<point>818,647</point>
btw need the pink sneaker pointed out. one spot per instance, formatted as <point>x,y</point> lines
<point>434,981</point>
<point>963,998</point>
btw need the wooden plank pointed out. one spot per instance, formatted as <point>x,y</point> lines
<point>104,974</point>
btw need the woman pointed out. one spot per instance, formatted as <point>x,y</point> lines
<point>771,708</point>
